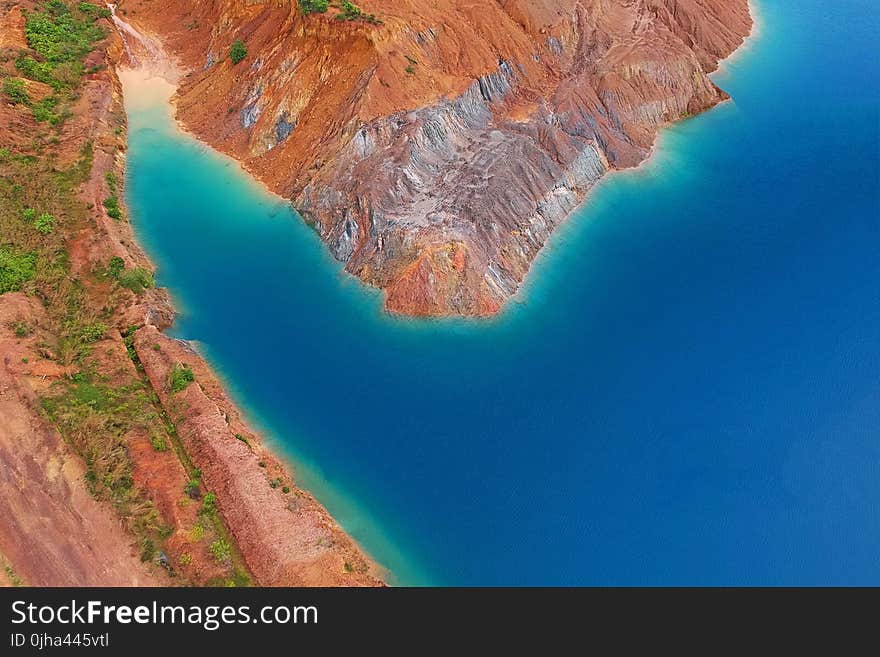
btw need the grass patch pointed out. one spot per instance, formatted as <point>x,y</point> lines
<point>15,91</point>
<point>180,377</point>
<point>45,223</point>
<point>137,280</point>
<point>17,267</point>
<point>222,551</point>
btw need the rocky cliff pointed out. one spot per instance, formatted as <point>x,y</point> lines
<point>436,148</point>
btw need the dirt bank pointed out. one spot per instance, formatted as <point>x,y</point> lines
<point>108,475</point>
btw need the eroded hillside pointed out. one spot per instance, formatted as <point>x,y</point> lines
<point>437,146</point>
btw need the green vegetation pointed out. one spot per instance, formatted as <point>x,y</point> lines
<point>45,110</point>
<point>92,332</point>
<point>192,487</point>
<point>157,440</point>
<point>351,12</point>
<point>136,280</point>
<point>115,267</point>
<point>16,268</point>
<point>348,11</point>
<point>111,203</point>
<point>15,91</point>
<point>93,10</point>
<point>410,70</point>
<point>60,36</point>
<point>95,418</point>
<point>105,406</point>
<point>45,223</point>
<point>148,549</point>
<point>222,551</point>
<point>237,51</point>
<point>13,577</point>
<point>209,505</point>
<point>181,376</point>
<point>285,489</point>
<point>313,6</point>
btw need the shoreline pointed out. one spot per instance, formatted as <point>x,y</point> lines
<point>157,80</point>
<point>169,77</point>
<point>520,297</point>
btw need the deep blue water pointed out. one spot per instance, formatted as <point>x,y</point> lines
<point>687,391</point>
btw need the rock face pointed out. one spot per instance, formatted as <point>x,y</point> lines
<point>436,152</point>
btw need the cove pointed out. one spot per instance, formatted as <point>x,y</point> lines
<point>686,391</point>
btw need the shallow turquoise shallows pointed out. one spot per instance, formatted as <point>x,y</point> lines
<point>686,392</point>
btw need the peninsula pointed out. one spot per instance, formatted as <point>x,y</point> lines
<point>436,146</point>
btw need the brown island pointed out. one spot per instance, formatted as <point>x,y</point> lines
<point>434,146</point>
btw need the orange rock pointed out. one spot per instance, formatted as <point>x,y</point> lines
<point>480,124</point>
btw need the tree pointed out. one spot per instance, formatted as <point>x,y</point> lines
<point>237,51</point>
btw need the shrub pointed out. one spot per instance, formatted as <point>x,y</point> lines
<point>237,51</point>
<point>181,376</point>
<point>92,332</point>
<point>136,279</point>
<point>285,489</point>
<point>351,12</point>
<point>197,533</point>
<point>45,110</point>
<point>111,203</point>
<point>45,223</point>
<point>115,267</point>
<point>221,550</point>
<point>147,549</point>
<point>16,268</point>
<point>158,442</point>
<point>92,10</point>
<point>307,7</point>
<point>209,505</point>
<point>192,489</point>
<point>21,329</point>
<point>15,91</point>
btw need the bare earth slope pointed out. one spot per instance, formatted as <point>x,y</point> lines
<point>436,152</point>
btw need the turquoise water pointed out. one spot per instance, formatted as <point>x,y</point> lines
<point>686,392</point>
